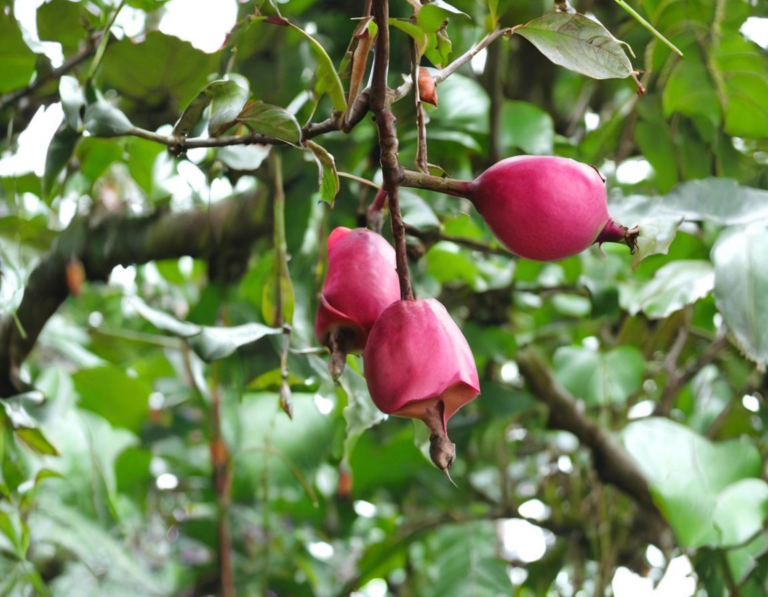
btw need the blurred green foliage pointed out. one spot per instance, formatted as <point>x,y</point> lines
<point>107,485</point>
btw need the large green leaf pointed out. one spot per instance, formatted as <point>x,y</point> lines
<point>328,176</point>
<point>327,79</point>
<point>102,119</point>
<point>59,153</point>
<point>527,127</point>
<point>745,79</point>
<point>464,561</point>
<point>271,121</point>
<point>673,286</point>
<point>695,482</point>
<point>25,427</point>
<point>63,21</point>
<point>578,43</point>
<point>159,68</point>
<point>741,287</point>
<point>599,378</point>
<point>72,101</point>
<point>17,59</point>
<point>106,565</point>
<point>432,16</point>
<point>111,393</point>
<point>717,200</point>
<point>227,100</point>
<point>210,343</point>
<point>360,413</point>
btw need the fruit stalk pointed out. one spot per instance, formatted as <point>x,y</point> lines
<point>449,186</point>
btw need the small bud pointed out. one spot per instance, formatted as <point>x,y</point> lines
<point>427,87</point>
<point>345,481</point>
<point>75,276</point>
<point>286,405</point>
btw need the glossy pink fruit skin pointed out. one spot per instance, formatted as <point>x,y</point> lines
<point>415,352</point>
<point>542,208</point>
<point>361,282</point>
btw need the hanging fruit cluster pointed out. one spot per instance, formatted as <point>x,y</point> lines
<point>417,362</point>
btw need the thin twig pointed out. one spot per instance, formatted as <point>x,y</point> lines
<point>421,127</point>
<point>472,52</point>
<point>222,478</point>
<point>681,378</point>
<point>429,238</point>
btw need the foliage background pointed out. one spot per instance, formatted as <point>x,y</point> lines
<point>108,487</point>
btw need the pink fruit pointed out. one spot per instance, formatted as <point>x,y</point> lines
<point>361,282</point>
<point>542,208</point>
<point>418,364</point>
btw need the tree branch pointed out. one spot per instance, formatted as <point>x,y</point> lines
<point>472,52</point>
<point>392,172</point>
<point>120,239</point>
<point>68,65</point>
<point>612,463</point>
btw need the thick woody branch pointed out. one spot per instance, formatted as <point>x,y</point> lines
<point>612,463</point>
<point>119,239</point>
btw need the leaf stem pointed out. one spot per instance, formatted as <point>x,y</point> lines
<point>103,41</point>
<point>449,186</point>
<point>635,15</point>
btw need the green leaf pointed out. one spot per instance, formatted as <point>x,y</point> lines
<point>656,236</point>
<point>210,343</point>
<point>158,69</point>
<point>271,121</point>
<point>597,377</point>
<point>655,141</point>
<point>741,285</point>
<point>329,177</point>
<point>192,114</point>
<point>690,91</point>
<point>689,476</point>
<point>72,101</point>
<point>417,33</point>
<point>718,200</point>
<point>744,75</point>
<point>102,119</point>
<point>65,22</point>
<point>465,562</point>
<point>578,43</point>
<point>59,153</point>
<point>96,155</point>
<point>17,59</point>
<point>111,393</point>
<point>327,78</point>
<point>227,100</point>
<point>26,429</point>
<point>446,262</point>
<point>674,286</point>
<point>360,413</point>
<point>142,154</point>
<point>526,127</point>
<point>109,566</point>
<point>432,16</point>
<point>14,529</point>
